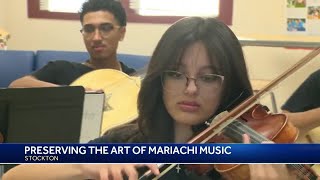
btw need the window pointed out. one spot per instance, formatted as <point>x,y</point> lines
<point>176,7</point>
<point>69,6</point>
<point>39,9</point>
<point>145,11</point>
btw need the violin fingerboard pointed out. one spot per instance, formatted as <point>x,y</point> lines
<point>236,129</point>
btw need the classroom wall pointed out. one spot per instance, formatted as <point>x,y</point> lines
<point>249,17</point>
<point>3,14</point>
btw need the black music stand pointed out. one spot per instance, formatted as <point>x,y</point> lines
<point>41,115</point>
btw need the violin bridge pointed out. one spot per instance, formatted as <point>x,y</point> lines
<point>217,117</point>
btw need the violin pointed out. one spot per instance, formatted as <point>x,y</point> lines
<point>261,126</point>
<point>254,120</point>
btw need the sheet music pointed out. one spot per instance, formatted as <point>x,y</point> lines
<point>92,116</point>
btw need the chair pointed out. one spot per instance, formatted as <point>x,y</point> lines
<point>258,84</point>
<point>134,61</point>
<point>14,64</point>
<point>45,56</point>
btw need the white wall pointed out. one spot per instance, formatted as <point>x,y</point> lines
<point>3,14</point>
<point>34,34</point>
<point>255,17</point>
<point>249,17</point>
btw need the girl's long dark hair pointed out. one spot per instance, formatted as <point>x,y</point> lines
<point>226,55</point>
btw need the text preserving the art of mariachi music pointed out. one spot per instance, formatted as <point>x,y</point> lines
<point>235,153</point>
<point>38,153</point>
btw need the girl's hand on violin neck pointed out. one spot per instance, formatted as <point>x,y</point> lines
<point>267,171</point>
<point>114,171</point>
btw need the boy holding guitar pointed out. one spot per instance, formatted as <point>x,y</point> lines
<point>103,26</point>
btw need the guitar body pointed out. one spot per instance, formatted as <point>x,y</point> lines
<point>121,94</point>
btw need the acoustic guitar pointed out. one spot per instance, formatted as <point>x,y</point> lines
<point>121,94</point>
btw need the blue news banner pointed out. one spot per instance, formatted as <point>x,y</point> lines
<point>159,153</point>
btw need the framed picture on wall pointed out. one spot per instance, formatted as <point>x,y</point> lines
<point>303,17</point>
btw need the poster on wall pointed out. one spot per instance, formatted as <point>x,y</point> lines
<point>303,17</point>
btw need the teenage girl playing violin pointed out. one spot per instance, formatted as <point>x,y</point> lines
<point>196,71</point>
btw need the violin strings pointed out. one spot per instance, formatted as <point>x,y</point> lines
<point>239,129</point>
